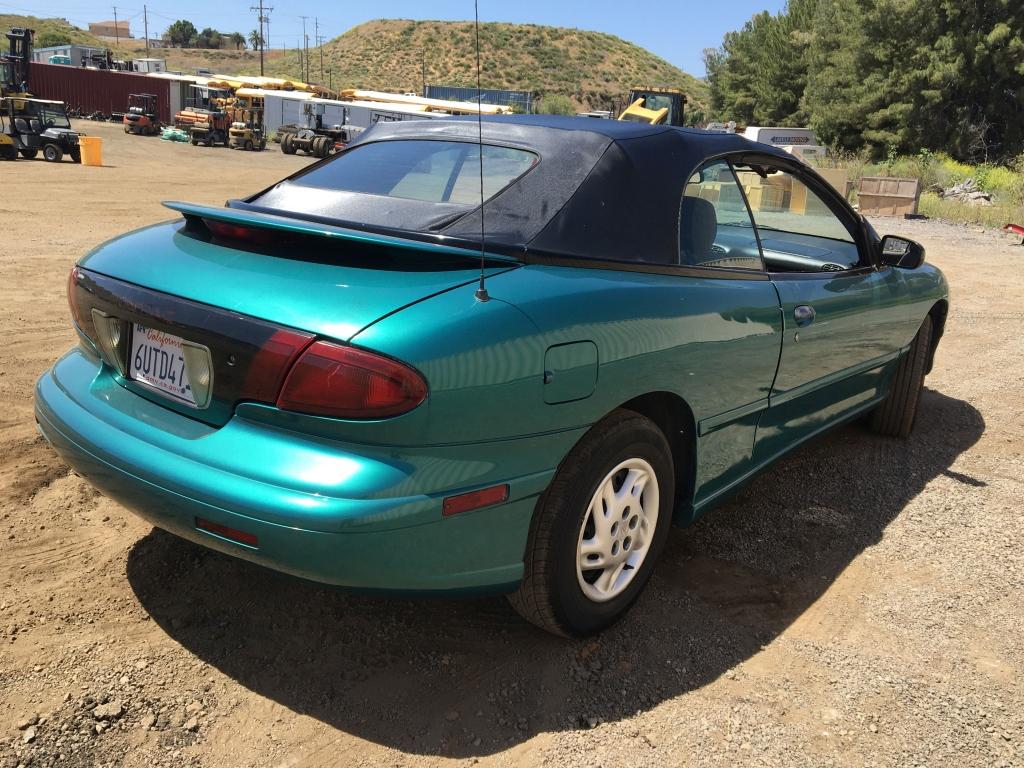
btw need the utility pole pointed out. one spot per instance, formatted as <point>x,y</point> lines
<point>145,24</point>
<point>305,48</point>
<point>423,69</point>
<point>264,18</point>
<point>117,34</point>
<point>320,45</point>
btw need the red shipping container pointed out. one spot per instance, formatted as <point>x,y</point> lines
<point>92,90</point>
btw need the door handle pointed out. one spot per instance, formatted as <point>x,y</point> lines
<point>803,314</point>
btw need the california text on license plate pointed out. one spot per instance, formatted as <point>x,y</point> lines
<point>156,360</point>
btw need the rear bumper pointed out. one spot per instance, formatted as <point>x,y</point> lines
<point>366,517</point>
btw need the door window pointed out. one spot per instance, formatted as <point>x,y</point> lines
<point>798,231</point>
<point>715,229</point>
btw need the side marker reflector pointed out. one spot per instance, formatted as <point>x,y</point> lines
<point>226,532</point>
<point>466,502</point>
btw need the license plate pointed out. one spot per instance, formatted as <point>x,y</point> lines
<point>157,361</point>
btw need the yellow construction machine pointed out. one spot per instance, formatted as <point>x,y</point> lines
<point>657,106</point>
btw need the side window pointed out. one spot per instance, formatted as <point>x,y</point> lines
<point>799,232</point>
<point>715,229</point>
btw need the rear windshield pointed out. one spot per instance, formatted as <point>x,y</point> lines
<point>425,170</point>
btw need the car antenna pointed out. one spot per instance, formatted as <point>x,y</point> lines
<point>481,291</point>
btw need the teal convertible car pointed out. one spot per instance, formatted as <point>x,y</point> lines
<point>335,379</point>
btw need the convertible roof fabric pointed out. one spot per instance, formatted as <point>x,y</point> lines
<point>603,189</point>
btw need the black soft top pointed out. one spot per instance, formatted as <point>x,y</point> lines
<point>603,189</point>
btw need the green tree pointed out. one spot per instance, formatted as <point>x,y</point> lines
<point>181,33</point>
<point>237,39</point>
<point>208,38</point>
<point>255,40</point>
<point>941,75</point>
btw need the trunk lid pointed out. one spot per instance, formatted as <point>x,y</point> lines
<point>324,282</point>
<point>316,287</point>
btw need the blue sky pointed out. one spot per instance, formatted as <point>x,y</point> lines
<point>677,31</point>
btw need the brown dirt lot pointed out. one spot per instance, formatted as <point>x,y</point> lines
<point>859,604</point>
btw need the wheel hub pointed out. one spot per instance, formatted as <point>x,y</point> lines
<point>617,530</point>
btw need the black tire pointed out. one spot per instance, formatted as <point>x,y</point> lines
<point>52,153</point>
<point>288,144</point>
<point>8,152</point>
<point>76,155</point>
<point>29,154</point>
<point>248,145</point>
<point>195,142</point>
<point>551,595</point>
<point>896,414</point>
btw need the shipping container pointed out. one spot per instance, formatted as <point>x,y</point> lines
<point>97,90</point>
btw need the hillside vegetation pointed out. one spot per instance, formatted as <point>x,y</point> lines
<point>47,28</point>
<point>593,69</point>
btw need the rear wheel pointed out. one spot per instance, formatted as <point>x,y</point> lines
<point>599,528</point>
<point>52,153</point>
<point>896,415</point>
<point>288,144</point>
<point>29,154</point>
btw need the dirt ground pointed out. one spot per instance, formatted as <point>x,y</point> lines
<point>859,604</point>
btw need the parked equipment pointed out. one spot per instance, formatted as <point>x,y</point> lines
<point>14,65</point>
<point>657,106</point>
<point>8,149</point>
<point>315,138</point>
<point>142,118</point>
<point>310,141</point>
<point>36,125</point>
<point>204,117</point>
<point>247,136</point>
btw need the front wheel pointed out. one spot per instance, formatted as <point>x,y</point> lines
<point>599,528</point>
<point>896,414</point>
<point>52,153</point>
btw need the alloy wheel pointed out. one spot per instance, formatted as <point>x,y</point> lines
<point>617,530</point>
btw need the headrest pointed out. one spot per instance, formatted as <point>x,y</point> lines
<point>698,225</point>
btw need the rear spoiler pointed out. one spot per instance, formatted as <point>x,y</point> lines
<point>268,221</point>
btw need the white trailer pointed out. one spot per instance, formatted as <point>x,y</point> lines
<point>799,142</point>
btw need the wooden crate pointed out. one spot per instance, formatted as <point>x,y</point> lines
<point>888,196</point>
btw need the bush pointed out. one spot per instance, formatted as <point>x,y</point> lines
<point>556,104</point>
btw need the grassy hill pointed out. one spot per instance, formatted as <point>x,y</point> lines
<point>592,68</point>
<point>595,70</point>
<point>44,27</point>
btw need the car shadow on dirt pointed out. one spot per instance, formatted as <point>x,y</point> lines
<point>468,677</point>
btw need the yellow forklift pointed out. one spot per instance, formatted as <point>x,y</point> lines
<point>8,149</point>
<point>657,106</point>
<point>247,131</point>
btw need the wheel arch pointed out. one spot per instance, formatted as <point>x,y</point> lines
<point>674,417</point>
<point>938,314</point>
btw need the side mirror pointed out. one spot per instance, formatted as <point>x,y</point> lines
<point>902,252</point>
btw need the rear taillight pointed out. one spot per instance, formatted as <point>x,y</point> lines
<point>349,383</point>
<point>252,235</point>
